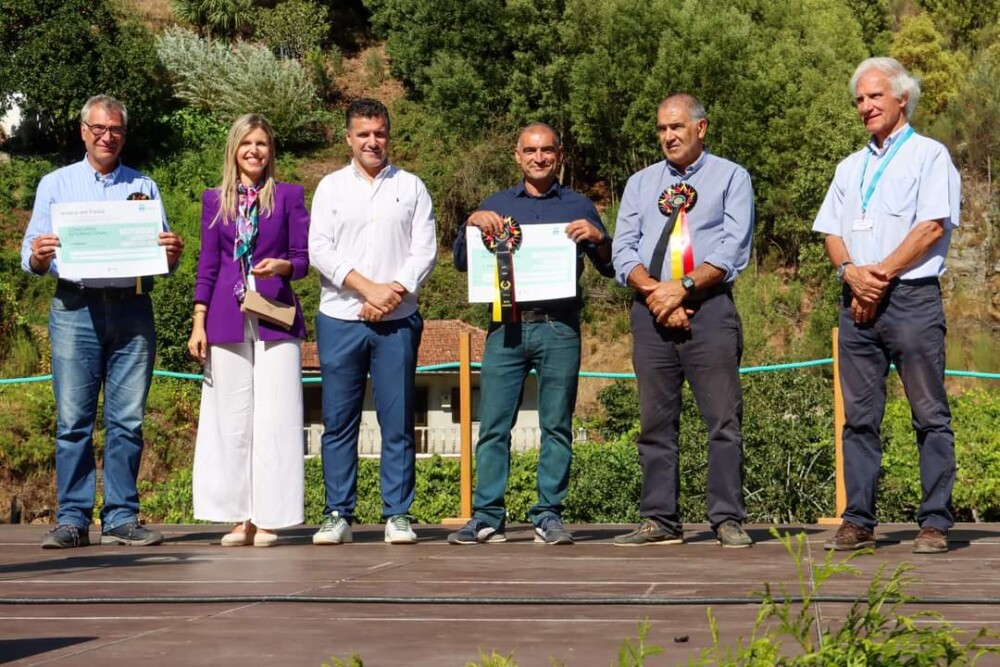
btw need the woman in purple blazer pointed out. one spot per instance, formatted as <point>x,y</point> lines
<point>248,456</point>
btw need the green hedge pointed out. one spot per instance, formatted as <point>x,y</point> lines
<point>789,467</point>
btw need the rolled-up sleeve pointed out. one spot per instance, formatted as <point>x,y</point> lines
<point>628,232</point>
<point>732,254</point>
<point>423,243</point>
<point>323,255</point>
<point>41,221</point>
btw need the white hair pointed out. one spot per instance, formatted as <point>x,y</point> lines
<point>106,102</point>
<point>902,81</point>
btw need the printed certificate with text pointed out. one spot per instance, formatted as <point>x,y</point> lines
<point>544,265</point>
<point>109,239</point>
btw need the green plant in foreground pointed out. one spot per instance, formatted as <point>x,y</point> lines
<point>874,633</point>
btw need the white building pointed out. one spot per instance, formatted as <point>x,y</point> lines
<point>437,399</point>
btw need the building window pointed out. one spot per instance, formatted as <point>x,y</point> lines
<point>456,405</point>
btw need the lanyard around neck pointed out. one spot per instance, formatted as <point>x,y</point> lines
<point>867,194</point>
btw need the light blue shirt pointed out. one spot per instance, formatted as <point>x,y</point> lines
<point>919,183</point>
<point>721,220</point>
<point>80,182</point>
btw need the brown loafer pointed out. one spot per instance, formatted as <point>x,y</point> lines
<point>850,537</point>
<point>930,541</point>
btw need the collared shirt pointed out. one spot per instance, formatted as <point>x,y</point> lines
<point>382,229</point>
<point>80,182</point>
<point>557,204</point>
<point>919,183</point>
<point>721,219</point>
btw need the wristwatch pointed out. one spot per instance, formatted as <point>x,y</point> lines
<point>688,284</point>
<point>841,268</point>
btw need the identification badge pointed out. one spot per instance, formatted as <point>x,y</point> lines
<point>863,224</point>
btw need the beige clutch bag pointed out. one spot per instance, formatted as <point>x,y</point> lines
<point>270,310</point>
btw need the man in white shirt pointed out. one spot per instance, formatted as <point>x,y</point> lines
<point>372,238</point>
<point>887,218</point>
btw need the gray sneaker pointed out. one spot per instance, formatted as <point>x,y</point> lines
<point>477,531</point>
<point>132,534</point>
<point>649,532</point>
<point>66,536</point>
<point>398,530</point>
<point>552,531</point>
<point>731,535</point>
<point>335,530</point>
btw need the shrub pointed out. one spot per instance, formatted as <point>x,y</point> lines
<point>229,81</point>
<point>292,28</point>
<point>18,180</point>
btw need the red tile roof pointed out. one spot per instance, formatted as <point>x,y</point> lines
<point>438,345</point>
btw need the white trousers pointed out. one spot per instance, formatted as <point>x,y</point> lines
<point>248,458</point>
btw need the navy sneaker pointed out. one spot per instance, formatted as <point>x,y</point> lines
<point>132,534</point>
<point>477,531</point>
<point>66,536</point>
<point>552,531</point>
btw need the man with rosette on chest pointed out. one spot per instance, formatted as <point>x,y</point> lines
<point>683,235</point>
<point>540,335</point>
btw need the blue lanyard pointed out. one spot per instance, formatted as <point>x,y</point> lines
<point>866,197</point>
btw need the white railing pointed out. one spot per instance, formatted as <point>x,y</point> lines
<point>444,441</point>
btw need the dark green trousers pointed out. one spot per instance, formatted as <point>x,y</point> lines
<point>552,349</point>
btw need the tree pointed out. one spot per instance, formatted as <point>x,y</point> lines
<point>228,19</point>
<point>58,53</point>
<point>921,49</point>
<point>292,28</point>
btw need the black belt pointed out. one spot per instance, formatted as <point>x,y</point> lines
<point>918,282</point>
<point>534,315</point>
<point>106,293</point>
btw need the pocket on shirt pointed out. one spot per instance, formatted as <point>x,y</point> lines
<point>899,196</point>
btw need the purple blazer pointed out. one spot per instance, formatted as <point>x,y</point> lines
<point>283,235</point>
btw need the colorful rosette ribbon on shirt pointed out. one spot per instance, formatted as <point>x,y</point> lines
<point>503,246</point>
<point>674,203</point>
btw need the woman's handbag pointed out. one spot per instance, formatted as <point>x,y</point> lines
<point>270,310</point>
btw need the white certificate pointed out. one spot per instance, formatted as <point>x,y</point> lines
<point>109,239</point>
<point>544,265</point>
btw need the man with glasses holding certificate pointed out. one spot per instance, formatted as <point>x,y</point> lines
<point>887,218</point>
<point>102,334</point>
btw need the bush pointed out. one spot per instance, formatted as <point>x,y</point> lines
<point>18,180</point>
<point>230,81</point>
<point>292,28</point>
<point>975,415</point>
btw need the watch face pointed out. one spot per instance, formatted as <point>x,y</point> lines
<point>687,283</point>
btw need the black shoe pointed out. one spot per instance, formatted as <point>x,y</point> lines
<point>132,535</point>
<point>649,532</point>
<point>552,531</point>
<point>732,536</point>
<point>66,536</point>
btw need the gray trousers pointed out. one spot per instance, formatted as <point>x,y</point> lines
<point>908,331</point>
<point>708,357</point>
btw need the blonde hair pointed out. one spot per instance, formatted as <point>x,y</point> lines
<point>228,197</point>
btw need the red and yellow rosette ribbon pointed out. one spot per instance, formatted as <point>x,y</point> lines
<point>676,201</point>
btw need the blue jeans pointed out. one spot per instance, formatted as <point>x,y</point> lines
<point>348,351</point>
<point>552,349</point>
<point>94,343</point>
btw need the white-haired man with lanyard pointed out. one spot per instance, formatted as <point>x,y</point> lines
<point>887,218</point>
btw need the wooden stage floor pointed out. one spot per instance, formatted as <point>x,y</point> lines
<point>431,603</point>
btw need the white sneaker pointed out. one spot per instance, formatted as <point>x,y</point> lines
<point>335,530</point>
<point>398,531</point>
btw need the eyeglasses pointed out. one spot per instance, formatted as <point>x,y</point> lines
<point>99,130</point>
